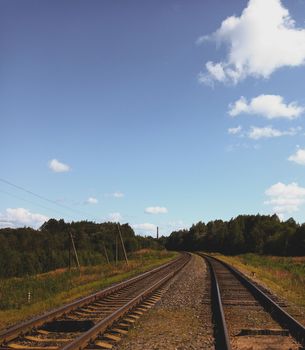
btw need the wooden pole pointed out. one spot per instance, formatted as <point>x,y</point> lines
<point>124,250</point>
<point>116,249</point>
<point>105,250</point>
<point>69,255</point>
<point>74,249</point>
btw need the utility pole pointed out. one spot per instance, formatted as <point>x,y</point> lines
<point>105,250</point>
<point>157,232</point>
<point>116,249</point>
<point>75,252</point>
<point>124,250</point>
<point>69,254</point>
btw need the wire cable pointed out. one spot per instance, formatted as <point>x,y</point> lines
<point>26,200</point>
<point>43,198</point>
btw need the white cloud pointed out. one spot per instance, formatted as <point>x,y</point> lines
<point>267,132</point>
<point>118,194</point>
<point>156,210</point>
<point>285,199</point>
<point>58,167</point>
<point>18,217</point>
<point>243,145</point>
<point>234,131</point>
<point>92,200</point>
<point>115,217</point>
<point>146,227</point>
<point>268,106</point>
<point>298,157</point>
<point>263,39</point>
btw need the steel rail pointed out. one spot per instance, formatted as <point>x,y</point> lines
<point>220,329</point>
<point>13,332</point>
<point>296,329</point>
<point>82,341</point>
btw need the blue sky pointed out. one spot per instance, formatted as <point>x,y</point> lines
<point>135,111</point>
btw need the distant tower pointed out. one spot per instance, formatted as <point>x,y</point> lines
<point>157,232</point>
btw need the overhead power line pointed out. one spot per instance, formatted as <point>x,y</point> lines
<point>31,202</point>
<point>43,198</point>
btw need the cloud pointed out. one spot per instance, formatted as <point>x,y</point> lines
<point>58,167</point>
<point>156,210</point>
<point>298,157</point>
<point>19,217</point>
<point>146,227</point>
<point>267,132</point>
<point>92,200</point>
<point>115,217</point>
<point>268,106</point>
<point>118,194</point>
<point>285,199</point>
<point>243,145</point>
<point>263,39</point>
<point>235,131</point>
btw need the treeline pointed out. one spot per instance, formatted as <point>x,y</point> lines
<point>260,234</point>
<point>25,251</point>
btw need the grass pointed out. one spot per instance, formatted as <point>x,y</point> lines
<point>52,289</point>
<point>283,275</point>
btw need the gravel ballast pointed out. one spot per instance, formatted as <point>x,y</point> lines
<point>182,319</point>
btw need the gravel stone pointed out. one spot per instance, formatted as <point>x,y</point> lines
<point>182,319</point>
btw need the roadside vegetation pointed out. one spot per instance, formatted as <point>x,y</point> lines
<point>283,275</point>
<point>54,288</point>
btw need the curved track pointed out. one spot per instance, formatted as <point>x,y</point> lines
<point>77,325</point>
<point>245,316</point>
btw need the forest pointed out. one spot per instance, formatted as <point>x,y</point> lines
<point>25,251</point>
<point>262,234</point>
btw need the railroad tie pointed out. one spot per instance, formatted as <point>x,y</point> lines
<point>46,340</point>
<point>137,312</point>
<point>28,347</point>
<point>119,330</point>
<point>282,332</point>
<point>134,316</point>
<point>112,337</point>
<point>124,325</point>
<point>103,344</point>
<point>42,331</point>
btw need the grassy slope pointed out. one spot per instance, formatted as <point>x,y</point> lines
<point>283,275</point>
<point>55,288</point>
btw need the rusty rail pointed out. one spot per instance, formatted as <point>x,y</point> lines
<point>220,329</point>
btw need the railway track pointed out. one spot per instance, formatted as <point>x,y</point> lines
<point>96,321</point>
<point>247,317</point>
